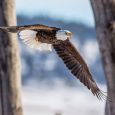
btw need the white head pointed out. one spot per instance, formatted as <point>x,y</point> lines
<point>63,34</point>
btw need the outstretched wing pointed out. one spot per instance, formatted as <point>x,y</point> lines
<point>77,65</point>
<point>15,29</point>
<point>28,35</point>
<point>30,38</point>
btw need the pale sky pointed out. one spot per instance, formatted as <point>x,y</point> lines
<point>73,10</point>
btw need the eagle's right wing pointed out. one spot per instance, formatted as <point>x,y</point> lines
<point>75,63</point>
<point>15,29</point>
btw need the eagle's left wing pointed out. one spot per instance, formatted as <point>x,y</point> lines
<point>77,66</point>
<point>37,27</point>
<point>28,35</point>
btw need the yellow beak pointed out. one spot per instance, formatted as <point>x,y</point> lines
<point>69,34</point>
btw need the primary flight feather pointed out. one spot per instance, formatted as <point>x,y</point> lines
<point>42,37</point>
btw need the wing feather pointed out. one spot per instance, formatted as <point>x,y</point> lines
<point>15,29</point>
<point>29,37</point>
<point>75,63</point>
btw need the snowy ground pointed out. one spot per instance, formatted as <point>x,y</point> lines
<point>60,99</point>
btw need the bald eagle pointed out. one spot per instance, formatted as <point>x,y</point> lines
<point>43,37</point>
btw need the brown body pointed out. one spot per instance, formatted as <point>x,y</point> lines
<point>46,36</point>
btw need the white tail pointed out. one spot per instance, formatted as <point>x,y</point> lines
<point>29,38</point>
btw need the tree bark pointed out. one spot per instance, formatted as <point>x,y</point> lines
<point>10,79</point>
<point>104,13</point>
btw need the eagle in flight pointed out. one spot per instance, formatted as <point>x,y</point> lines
<point>43,37</point>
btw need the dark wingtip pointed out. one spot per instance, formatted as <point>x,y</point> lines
<point>9,29</point>
<point>102,96</point>
<point>4,29</point>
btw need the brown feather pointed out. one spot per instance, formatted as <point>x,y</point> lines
<point>15,29</point>
<point>77,65</point>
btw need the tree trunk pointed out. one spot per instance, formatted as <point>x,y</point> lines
<point>10,83</point>
<point>104,13</point>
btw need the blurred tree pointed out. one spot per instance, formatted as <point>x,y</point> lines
<point>104,12</point>
<point>10,103</point>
